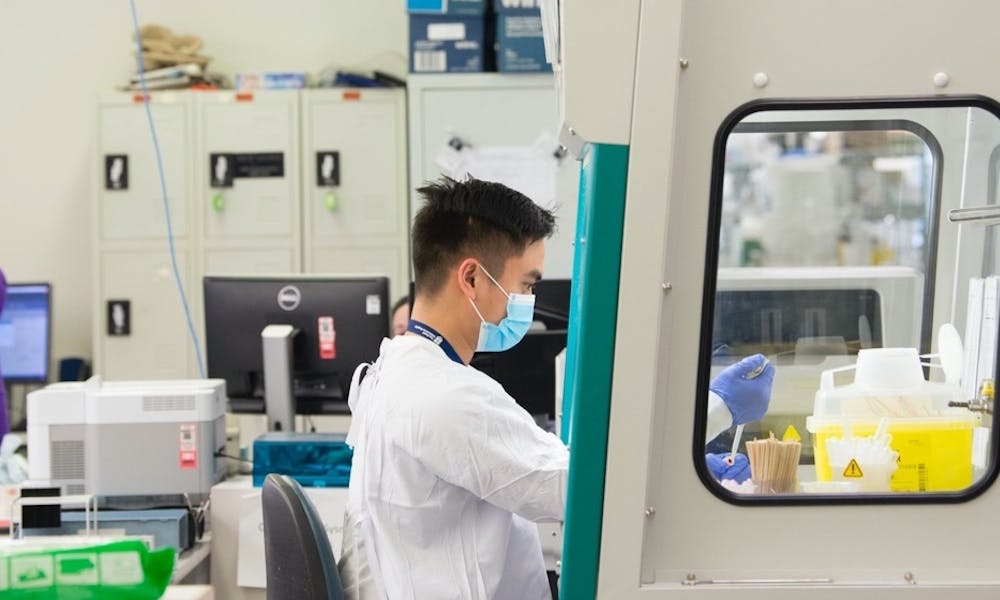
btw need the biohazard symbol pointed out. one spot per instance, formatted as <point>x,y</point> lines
<point>853,470</point>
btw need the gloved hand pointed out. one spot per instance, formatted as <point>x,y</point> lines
<point>746,399</point>
<point>720,468</point>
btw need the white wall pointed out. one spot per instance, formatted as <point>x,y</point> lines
<point>57,55</point>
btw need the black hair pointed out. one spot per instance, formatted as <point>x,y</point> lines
<point>484,219</point>
<point>404,301</point>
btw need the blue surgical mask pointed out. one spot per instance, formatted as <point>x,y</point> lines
<point>512,328</point>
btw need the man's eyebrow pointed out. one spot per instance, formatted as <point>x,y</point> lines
<point>536,274</point>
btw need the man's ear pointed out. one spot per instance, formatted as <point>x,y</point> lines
<point>467,272</point>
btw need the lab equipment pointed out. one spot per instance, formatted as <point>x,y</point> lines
<point>25,333</point>
<point>312,459</point>
<point>338,323</point>
<point>168,527</point>
<point>934,442</point>
<point>745,387</point>
<point>87,437</point>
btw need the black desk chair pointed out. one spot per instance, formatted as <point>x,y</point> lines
<point>300,563</point>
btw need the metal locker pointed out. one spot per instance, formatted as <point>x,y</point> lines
<point>248,261</point>
<point>247,165</point>
<point>354,183</point>
<point>130,200</point>
<point>146,335</point>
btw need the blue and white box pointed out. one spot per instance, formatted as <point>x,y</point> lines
<point>447,7</point>
<point>514,6</point>
<point>445,44</point>
<point>520,45</point>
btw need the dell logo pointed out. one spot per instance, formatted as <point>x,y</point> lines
<point>289,297</point>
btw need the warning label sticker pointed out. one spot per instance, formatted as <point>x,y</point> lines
<point>188,447</point>
<point>853,469</point>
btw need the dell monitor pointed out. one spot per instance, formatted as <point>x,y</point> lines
<point>25,330</point>
<point>334,324</point>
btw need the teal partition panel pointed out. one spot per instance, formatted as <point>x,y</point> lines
<point>590,360</point>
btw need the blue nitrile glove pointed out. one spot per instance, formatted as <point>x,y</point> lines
<point>720,468</point>
<point>746,399</point>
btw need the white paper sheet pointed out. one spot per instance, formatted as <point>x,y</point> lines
<point>330,503</point>
<point>532,170</point>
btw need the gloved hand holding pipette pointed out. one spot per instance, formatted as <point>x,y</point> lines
<point>739,394</point>
<point>745,388</point>
<point>721,466</point>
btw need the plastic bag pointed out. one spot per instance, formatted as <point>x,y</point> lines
<point>123,570</point>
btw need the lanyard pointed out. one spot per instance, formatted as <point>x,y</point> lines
<point>430,333</point>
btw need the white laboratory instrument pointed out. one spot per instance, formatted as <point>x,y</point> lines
<point>128,438</point>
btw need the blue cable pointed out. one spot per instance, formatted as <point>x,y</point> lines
<point>163,190</point>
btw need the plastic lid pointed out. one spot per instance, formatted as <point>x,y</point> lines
<point>888,368</point>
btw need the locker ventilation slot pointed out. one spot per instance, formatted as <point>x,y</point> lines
<point>164,403</point>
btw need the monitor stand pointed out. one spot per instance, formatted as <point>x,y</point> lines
<point>279,398</point>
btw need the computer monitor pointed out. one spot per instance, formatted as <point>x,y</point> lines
<point>552,303</point>
<point>25,333</point>
<point>355,310</point>
<point>528,370</point>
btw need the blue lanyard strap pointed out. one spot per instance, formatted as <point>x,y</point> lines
<point>430,333</point>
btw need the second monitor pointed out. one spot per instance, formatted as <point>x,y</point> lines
<point>339,322</point>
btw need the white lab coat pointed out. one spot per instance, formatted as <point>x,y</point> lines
<point>448,475</point>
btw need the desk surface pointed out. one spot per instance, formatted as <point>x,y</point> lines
<point>190,559</point>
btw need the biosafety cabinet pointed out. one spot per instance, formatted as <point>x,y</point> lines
<point>264,182</point>
<point>817,183</point>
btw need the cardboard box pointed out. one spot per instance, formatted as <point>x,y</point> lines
<point>447,7</point>
<point>444,44</point>
<point>520,46</point>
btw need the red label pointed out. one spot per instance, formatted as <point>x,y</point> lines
<point>327,337</point>
<point>351,95</point>
<point>188,447</point>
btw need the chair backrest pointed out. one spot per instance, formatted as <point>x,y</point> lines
<point>300,562</point>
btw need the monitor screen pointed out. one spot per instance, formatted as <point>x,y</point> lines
<point>527,371</point>
<point>25,327</point>
<point>354,309</point>
<point>552,303</point>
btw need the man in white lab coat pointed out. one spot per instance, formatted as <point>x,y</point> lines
<point>449,473</point>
